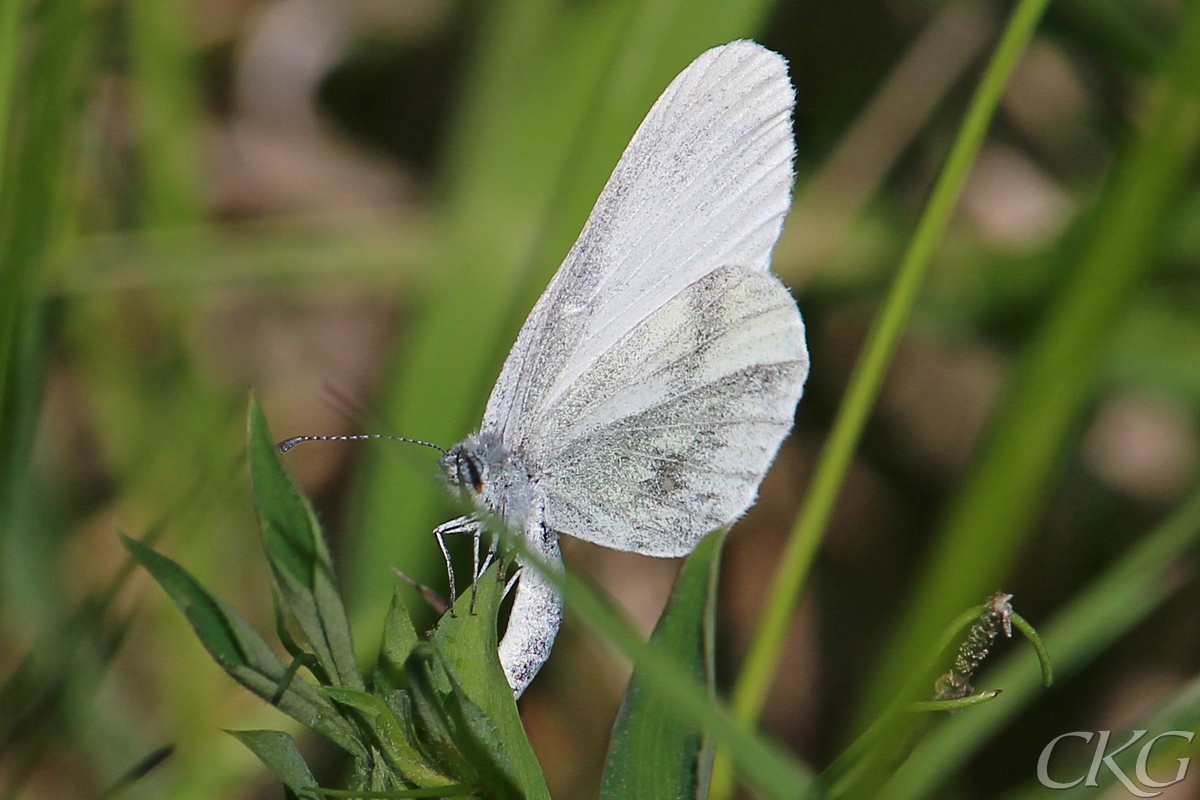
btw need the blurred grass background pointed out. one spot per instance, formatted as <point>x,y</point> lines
<point>350,207</point>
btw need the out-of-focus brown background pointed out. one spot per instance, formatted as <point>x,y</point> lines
<point>349,205</point>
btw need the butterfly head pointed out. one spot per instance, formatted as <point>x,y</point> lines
<point>482,470</point>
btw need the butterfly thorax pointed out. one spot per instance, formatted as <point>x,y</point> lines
<point>496,479</point>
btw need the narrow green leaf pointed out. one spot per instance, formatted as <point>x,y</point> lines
<point>655,751</point>
<point>425,672</point>
<point>278,751</point>
<point>299,558</point>
<point>241,652</point>
<point>205,612</point>
<point>473,735</point>
<point>300,656</point>
<point>467,643</point>
<point>40,122</point>
<point>43,66</point>
<point>391,734</point>
<point>481,742</point>
<point>399,638</point>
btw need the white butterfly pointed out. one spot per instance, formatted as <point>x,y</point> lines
<point>653,382</point>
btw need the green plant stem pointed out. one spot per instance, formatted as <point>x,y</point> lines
<point>457,790</point>
<point>954,705</point>
<point>1039,647</point>
<point>763,658</point>
<point>38,145</point>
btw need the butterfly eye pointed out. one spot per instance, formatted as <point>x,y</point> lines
<point>472,474</point>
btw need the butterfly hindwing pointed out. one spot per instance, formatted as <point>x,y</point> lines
<point>667,436</point>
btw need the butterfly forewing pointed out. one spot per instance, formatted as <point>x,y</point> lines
<point>704,183</point>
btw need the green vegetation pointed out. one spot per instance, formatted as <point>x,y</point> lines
<point>1009,236</point>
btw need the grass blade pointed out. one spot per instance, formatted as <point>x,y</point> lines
<point>36,147</point>
<point>653,751</point>
<point>41,70</point>
<point>165,93</point>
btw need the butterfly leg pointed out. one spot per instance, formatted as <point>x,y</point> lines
<point>493,549</point>
<point>464,524</point>
<point>478,534</point>
<point>508,587</point>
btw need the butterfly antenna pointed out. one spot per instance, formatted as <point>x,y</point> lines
<point>288,444</point>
